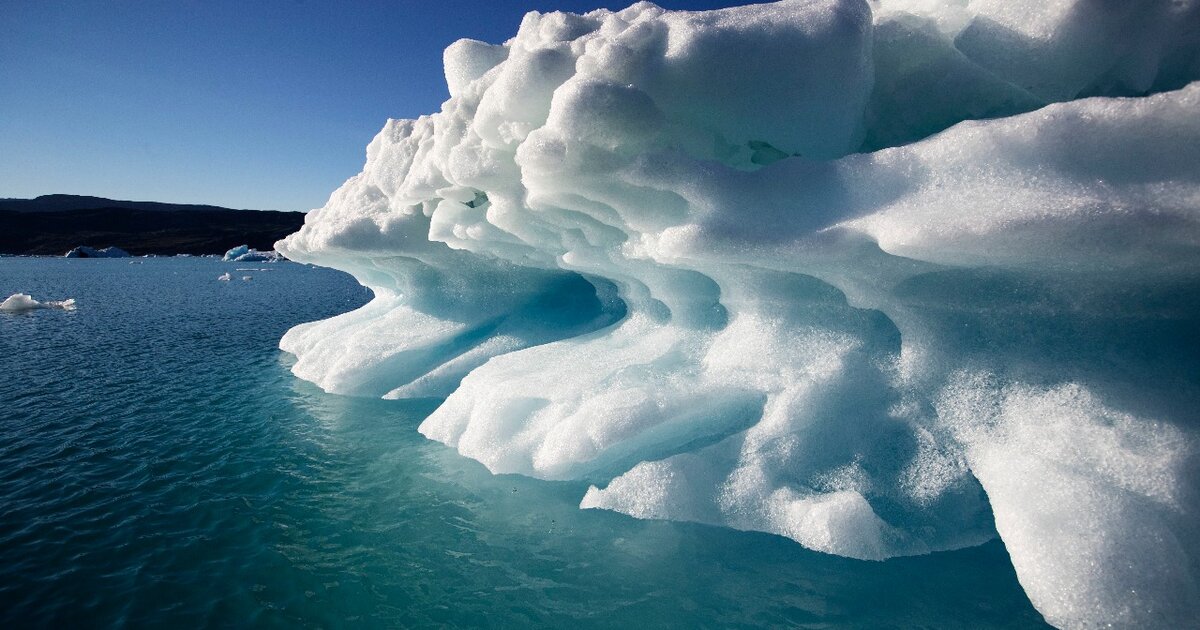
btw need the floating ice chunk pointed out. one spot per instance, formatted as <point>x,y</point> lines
<point>225,277</point>
<point>83,251</point>
<point>240,250</point>
<point>243,253</point>
<point>19,302</point>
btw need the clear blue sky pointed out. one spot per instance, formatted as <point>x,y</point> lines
<point>249,104</point>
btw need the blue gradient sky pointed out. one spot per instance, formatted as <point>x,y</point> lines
<point>245,104</point>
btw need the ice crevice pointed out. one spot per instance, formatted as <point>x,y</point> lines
<point>884,278</point>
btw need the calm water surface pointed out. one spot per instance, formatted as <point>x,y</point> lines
<point>159,466</point>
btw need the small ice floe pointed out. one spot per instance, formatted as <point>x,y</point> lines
<point>20,302</point>
<point>243,253</point>
<point>83,251</point>
<point>225,277</point>
<point>244,278</point>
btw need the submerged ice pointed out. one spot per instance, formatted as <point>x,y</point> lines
<point>883,278</point>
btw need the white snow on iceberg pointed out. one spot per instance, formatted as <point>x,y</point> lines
<point>883,278</point>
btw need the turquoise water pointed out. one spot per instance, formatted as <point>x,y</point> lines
<point>159,466</point>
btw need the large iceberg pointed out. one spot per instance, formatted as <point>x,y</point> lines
<point>884,278</point>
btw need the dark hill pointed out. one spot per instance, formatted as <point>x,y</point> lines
<point>53,224</point>
<point>61,203</point>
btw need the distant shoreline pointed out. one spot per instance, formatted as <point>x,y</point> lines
<point>52,225</point>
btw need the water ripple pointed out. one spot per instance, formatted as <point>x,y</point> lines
<point>159,466</point>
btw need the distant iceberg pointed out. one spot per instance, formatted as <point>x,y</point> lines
<point>19,302</point>
<point>884,278</point>
<point>83,251</point>
<point>243,253</point>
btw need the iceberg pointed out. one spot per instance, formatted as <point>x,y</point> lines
<point>884,278</point>
<point>243,253</point>
<point>83,251</point>
<point>22,302</point>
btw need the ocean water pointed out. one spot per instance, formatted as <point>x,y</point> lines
<point>160,467</point>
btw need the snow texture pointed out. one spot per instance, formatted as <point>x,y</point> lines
<point>883,278</point>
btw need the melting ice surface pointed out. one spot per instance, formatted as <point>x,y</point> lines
<point>882,278</point>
